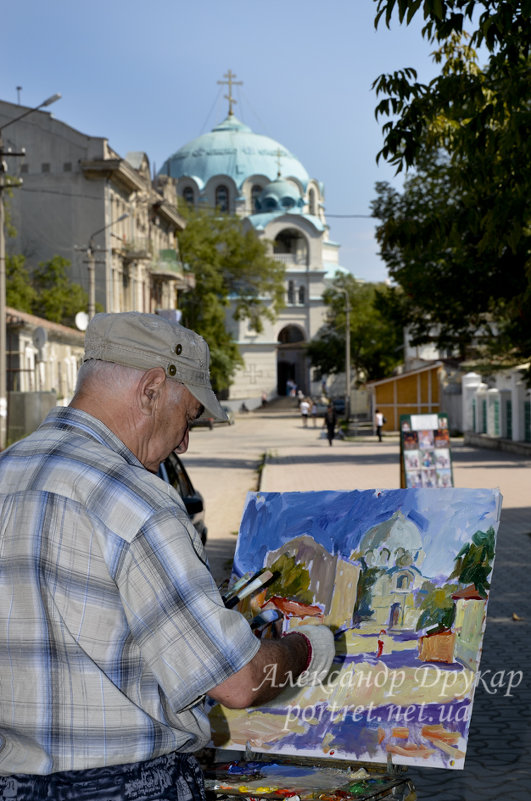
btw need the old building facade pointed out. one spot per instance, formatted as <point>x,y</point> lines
<point>79,199</point>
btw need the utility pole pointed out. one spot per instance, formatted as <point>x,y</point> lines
<point>5,183</point>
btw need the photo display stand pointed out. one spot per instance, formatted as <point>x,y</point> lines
<point>425,453</point>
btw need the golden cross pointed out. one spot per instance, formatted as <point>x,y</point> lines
<point>230,82</point>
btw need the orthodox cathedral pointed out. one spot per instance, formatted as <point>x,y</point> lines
<point>253,176</point>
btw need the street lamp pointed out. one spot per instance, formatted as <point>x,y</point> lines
<point>3,333</point>
<point>347,351</point>
<point>92,265</point>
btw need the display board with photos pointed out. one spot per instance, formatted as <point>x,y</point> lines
<point>425,453</point>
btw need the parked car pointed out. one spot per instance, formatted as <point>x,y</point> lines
<point>173,472</point>
<point>338,403</point>
<point>209,422</point>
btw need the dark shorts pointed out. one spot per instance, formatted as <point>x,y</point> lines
<point>172,777</point>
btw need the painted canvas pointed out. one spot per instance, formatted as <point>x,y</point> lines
<point>402,577</point>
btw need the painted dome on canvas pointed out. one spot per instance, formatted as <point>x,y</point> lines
<point>232,149</point>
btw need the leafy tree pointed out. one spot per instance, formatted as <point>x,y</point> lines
<point>465,211</point>
<point>20,293</point>
<point>375,340</point>
<point>293,580</point>
<point>437,609</point>
<point>368,576</point>
<point>58,299</point>
<point>473,563</point>
<point>230,265</point>
<point>47,292</point>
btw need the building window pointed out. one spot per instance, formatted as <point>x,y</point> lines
<point>291,293</point>
<point>256,191</point>
<point>302,296</point>
<point>311,202</point>
<point>24,168</point>
<point>67,166</point>
<point>222,197</point>
<point>188,195</point>
<point>45,167</point>
<point>402,582</point>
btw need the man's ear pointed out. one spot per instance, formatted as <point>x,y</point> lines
<point>150,388</point>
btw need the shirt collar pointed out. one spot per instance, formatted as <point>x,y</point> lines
<point>66,417</point>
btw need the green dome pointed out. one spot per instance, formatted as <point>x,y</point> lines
<point>280,194</point>
<point>232,149</point>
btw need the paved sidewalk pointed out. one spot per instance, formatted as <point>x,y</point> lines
<point>498,763</point>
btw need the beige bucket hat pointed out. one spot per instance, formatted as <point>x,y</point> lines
<point>143,341</point>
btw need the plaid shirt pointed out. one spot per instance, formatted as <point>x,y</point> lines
<point>111,626</point>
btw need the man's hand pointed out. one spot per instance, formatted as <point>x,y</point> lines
<point>321,646</point>
<point>278,664</point>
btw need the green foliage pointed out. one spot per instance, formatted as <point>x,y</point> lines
<point>58,299</point>
<point>20,294</point>
<point>437,607</point>
<point>229,265</point>
<point>47,293</point>
<point>473,563</point>
<point>375,339</point>
<point>465,212</point>
<point>293,581</point>
<point>366,579</point>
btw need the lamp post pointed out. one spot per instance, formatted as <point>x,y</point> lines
<point>92,265</point>
<point>347,352</point>
<point>3,332</point>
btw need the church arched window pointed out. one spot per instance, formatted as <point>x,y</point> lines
<point>188,195</point>
<point>384,556</point>
<point>311,202</point>
<point>402,582</point>
<point>256,191</point>
<point>222,197</point>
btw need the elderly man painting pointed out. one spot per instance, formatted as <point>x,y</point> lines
<point>111,627</point>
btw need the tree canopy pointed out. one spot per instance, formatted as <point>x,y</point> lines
<point>231,267</point>
<point>47,292</point>
<point>375,339</point>
<point>456,239</point>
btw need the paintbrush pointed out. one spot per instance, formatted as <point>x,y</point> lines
<point>240,583</point>
<point>256,582</point>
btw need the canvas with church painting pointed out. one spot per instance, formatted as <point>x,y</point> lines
<point>402,577</point>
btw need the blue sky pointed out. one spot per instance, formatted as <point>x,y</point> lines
<point>446,520</point>
<point>145,75</point>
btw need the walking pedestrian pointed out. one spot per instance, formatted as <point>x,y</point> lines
<point>330,421</point>
<point>304,408</point>
<point>379,420</point>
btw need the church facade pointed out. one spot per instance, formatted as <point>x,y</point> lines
<point>253,176</point>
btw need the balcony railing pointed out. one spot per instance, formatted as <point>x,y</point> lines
<point>138,248</point>
<point>292,258</point>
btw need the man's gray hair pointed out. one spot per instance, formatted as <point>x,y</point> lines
<point>108,373</point>
<point>122,379</point>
